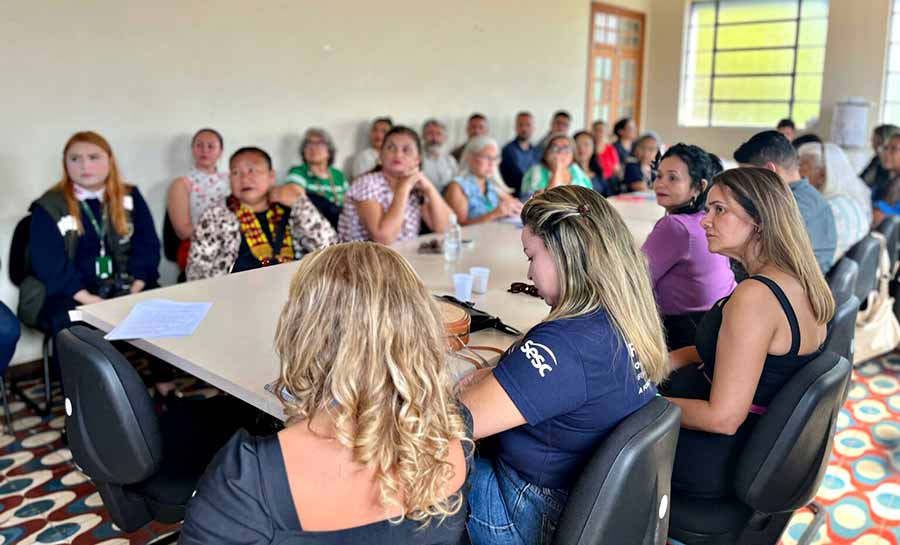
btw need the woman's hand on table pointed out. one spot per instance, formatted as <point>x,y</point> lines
<point>84,297</point>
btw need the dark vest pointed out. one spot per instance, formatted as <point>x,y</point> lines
<point>32,292</point>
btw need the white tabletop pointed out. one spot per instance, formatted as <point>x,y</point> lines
<point>232,349</point>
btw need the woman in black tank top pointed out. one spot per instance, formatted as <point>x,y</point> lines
<point>753,341</point>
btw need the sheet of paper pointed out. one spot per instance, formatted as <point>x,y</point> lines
<point>160,318</point>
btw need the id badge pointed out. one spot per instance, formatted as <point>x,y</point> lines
<point>103,265</point>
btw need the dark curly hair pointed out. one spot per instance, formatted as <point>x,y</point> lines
<point>700,167</point>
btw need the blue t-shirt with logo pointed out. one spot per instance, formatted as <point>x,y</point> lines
<point>573,380</point>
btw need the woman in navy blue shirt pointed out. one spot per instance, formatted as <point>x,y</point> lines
<point>92,235</point>
<point>557,393</point>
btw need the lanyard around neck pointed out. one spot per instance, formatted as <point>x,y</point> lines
<point>99,228</point>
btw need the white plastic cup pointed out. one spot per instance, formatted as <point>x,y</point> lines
<point>462,285</point>
<point>480,279</point>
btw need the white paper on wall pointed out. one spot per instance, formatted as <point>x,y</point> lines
<point>850,123</point>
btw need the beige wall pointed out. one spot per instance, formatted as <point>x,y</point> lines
<point>146,75</point>
<point>854,66</point>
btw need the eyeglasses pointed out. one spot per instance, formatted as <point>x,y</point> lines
<point>561,149</point>
<point>491,158</point>
<point>522,287</point>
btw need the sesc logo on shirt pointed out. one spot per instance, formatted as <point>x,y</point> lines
<point>535,352</point>
<point>639,374</point>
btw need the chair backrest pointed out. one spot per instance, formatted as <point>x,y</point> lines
<point>113,431</point>
<point>170,239</point>
<point>783,462</point>
<point>622,496</point>
<point>867,254</point>
<point>842,280</point>
<point>19,262</point>
<point>842,328</point>
<point>890,228</point>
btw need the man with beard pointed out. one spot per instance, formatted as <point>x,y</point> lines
<point>439,166</point>
<point>477,125</point>
<point>519,154</point>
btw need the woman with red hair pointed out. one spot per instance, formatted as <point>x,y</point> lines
<point>92,237</point>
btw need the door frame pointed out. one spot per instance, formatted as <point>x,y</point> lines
<point>599,7</point>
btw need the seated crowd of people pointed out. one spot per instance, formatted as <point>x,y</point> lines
<point>717,309</point>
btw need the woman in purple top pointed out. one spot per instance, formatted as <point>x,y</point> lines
<point>687,278</point>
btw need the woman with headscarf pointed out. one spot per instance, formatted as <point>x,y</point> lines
<point>828,170</point>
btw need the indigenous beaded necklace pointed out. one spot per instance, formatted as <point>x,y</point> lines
<point>256,239</point>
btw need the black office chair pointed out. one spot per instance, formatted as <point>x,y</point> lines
<point>19,269</point>
<point>842,279</point>
<point>145,466</point>
<point>842,328</point>
<point>867,254</point>
<point>890,228</point>
<point>622,495</point>
<point>780,469</point>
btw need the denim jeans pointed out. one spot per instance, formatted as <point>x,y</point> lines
<point>504,509</point>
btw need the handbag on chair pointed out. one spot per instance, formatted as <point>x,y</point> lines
<point>460,319</point>
<point>877,329</point>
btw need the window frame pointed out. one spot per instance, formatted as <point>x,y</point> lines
<point>687,79</point>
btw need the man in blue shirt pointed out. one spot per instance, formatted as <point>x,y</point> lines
<point>771,150</point>
<point>519,154</point>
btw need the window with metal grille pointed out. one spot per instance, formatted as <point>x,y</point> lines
<point>749,63</point>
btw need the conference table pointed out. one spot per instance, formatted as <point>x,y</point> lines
<point>232,348</point>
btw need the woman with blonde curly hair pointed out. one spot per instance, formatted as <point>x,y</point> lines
<point>556,394</point>
<point>376,449</point>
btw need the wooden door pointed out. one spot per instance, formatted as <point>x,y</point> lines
<point>615,64</point>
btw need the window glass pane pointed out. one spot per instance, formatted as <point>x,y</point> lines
<point>892,93</point>
<point>696,89</point>
<point>739,11</point>
<point>810,61</point>
<point>752,88</point>
<point>813,32</point>
<point>756,35</point>
<point>704,14</point>
<point>808,88</point>
<point>776,61</point>
<point>599,20</point>
<point>695,113</point>
<point>894,56</point>
<point>895,30</point>
<point>699,63</point>
<point>748,114</point>
<point>767,64</point>
<point>815,8</point>
<point>613,21</point>
<point>804,113</point>
<point>892,113</point>
<point>701,39</point>
<point>628,70</point>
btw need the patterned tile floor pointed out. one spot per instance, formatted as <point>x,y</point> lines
<point>45,499</point>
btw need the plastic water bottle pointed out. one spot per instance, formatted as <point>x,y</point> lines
<point>452,240</point>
